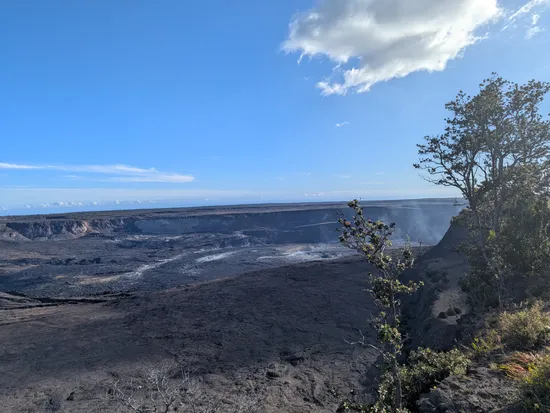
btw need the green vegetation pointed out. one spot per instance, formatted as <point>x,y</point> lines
<point>424,370</point>
<point>525,329</point>
<point>427,368</point>
<point>400,384</point>
<point>486,344</point>
<point>495,151</point>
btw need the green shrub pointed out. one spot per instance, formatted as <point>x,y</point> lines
<point>486,344</point>
<point>525,329</point>
<point>536,386</point>
<point>426,368</point>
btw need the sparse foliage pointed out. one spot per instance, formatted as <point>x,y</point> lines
<point>486,344</point>
<point>372,240</point>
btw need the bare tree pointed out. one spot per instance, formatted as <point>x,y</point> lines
<point>157,392</point>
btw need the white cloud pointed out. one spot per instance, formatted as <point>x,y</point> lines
<point>157,177</point>
<point>532,31</point>
<point>124,173</point>
<point>16,166</point>
<point>339,125</point>
<point>387,39</point>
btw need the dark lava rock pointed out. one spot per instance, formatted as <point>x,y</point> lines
<point>442,314</point>
<point>451,312</point>
<point>482,390</point>
<point>295,360</point>
<point>272,374</point>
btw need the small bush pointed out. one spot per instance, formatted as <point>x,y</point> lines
<point>427,368</point>
<point>536,385</point>
<point>525,329</point>
<point>486,344</point>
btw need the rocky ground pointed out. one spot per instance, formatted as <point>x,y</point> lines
<point>280,332</point>
<point>263,307</point>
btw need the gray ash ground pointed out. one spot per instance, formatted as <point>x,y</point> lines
<point>91,253</point>
<point>94,265</point>
<point>247,298</point>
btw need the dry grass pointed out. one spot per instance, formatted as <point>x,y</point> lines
<point>536,385</point>
<point>532,370</point>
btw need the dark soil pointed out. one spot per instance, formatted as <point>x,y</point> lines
<point>282,331</point>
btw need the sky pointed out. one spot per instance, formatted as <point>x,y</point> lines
<point>115,104</point>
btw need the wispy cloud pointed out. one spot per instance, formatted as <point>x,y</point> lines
<point>122,173</point>
<point>534,29</point>
<point>17,166</point>
<point>527,7</point>
<point>532,9</point>
<point>339,125</point>
<point>344,176</point>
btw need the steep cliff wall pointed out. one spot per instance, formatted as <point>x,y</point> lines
<point>441,270</point>
<point>426,223</point>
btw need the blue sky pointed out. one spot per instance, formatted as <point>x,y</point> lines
<point>105,103</point>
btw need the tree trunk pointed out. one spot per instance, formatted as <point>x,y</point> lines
<point>398,402</point>
<point>481,236</point>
